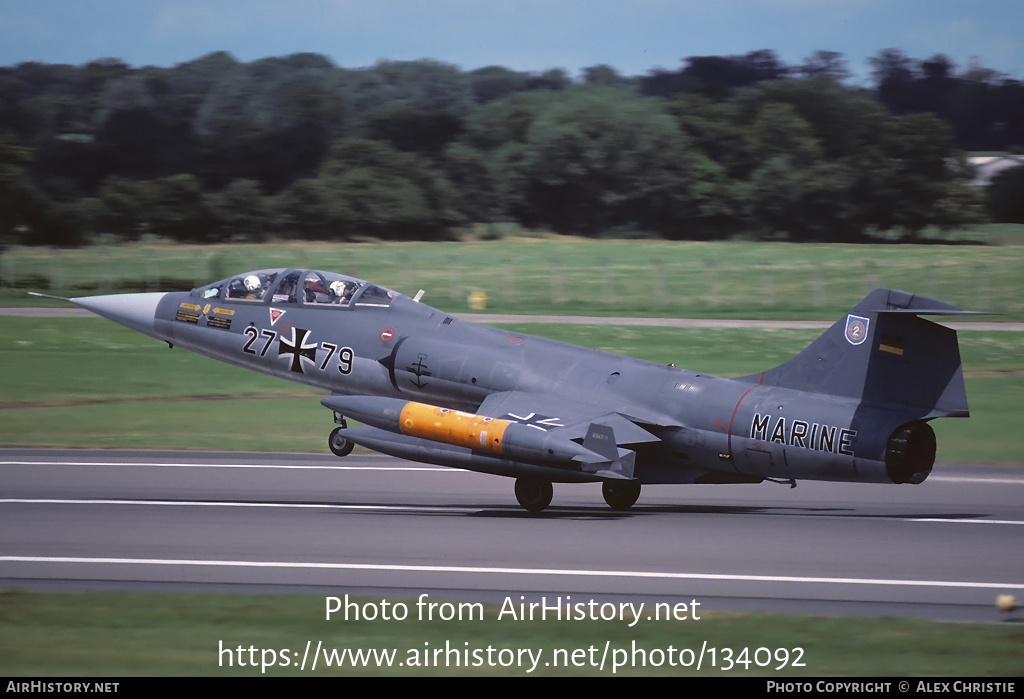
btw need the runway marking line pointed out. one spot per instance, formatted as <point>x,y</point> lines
<point>965,521</point>
<point>509,571</point>
<point>966,479</point>
<point>439,469</point>
<point>200,503</point>
<point>392,508</point>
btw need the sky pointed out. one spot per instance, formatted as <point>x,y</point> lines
<point>633,36</point>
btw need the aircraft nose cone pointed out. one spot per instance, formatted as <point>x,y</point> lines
<point>136,311</point>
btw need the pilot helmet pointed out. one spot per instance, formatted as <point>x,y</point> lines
<point>252,283</point>
<point>338,288</point>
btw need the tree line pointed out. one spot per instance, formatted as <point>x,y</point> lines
<point>216,149</point>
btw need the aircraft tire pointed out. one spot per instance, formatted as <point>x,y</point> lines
<point>338,444</point>
<point>533,494</point>
<point>620,495</point>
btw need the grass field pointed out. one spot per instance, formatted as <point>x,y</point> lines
<point>566,275</point>
<point>90,383</point>
<point>126,634</point>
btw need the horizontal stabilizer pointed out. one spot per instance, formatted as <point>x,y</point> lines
<point>893,301</point>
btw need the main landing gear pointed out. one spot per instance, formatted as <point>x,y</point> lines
<point>620,495</point>
<point>533,494</point>
<point>337,443</point>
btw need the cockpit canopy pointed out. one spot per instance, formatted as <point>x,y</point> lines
<point>307,287</point>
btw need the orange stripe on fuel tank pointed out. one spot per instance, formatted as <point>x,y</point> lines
<point>452,427</point>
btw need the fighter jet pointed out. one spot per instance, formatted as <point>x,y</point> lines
<point>429,387</point>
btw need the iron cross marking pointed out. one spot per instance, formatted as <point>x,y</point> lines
<point>298,349</point>
<point>537,422</point>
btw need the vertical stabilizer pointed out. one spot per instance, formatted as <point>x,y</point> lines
<point>882,353</point>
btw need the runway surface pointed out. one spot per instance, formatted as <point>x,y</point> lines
<point>375,525</point>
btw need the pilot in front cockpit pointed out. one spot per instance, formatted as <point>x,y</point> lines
<point>253,287</point>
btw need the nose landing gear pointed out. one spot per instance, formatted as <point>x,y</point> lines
<point>337,443</point>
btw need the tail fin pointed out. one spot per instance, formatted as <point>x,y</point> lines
<point>883,353</point>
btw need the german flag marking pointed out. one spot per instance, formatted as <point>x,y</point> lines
<point>892,345</point>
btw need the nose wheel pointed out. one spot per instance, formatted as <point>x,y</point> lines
<point>338,444</point>
<point>533,494</point>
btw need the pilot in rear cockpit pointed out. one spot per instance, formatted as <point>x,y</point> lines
<point>341,293</point>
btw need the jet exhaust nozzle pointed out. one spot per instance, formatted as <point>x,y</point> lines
<point>910,453</point>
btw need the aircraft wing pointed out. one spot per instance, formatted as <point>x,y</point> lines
<point>545,412</point>
<point>603,434</point>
